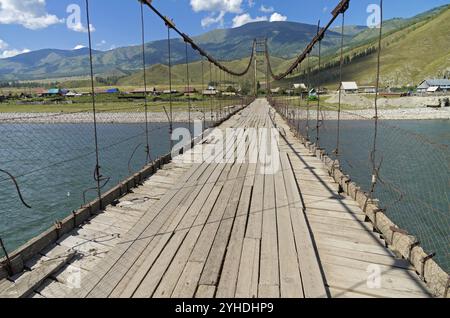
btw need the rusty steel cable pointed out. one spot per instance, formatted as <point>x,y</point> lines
<point>340,8</point>
<point>188,89</point>
<point>144,67</point>
<point>16,184</point>
<point>375,169</point>
<point>338,133</point>
<point>169,61</point>
<point>91,65</point>
<point>195,46</point>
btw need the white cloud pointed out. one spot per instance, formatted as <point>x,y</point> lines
<point>5,53</point>
<point>277,17</point>
<point>210,20</point>
<point>10,53</point>
<point>232,6</point>
<point>251,3</point>
<point>31,14</point>
<point>245,18</point>
<point>266,9</point>
<point>101,43</point>
<point>79,46</point>
<point>79,27</point>
<point>3,44</point>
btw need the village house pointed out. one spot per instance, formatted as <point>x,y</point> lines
<point>112,91</point>
<point>367,89</point>
<point>434,85</point>
<point>52,92</point>
<point>275,90</point>
<point>190,91</point>
<point>150,90</point>
<point>349,87</point>
<point>302,87</point>
<point>210,92</point>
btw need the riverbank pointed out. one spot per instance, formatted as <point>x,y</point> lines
<point>418,113</point>
<point>394,108</point>
<point>391,114</point>
<point>103,118</point>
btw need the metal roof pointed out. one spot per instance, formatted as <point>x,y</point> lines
<point>435,82</point>
<point>433,89</point>
<point>349,85</point>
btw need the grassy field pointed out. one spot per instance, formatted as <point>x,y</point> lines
<point>327,105</point>
<point>85,105</point>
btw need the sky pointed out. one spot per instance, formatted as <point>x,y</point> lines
<point>29,25</point>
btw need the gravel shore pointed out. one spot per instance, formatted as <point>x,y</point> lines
<point>418,113</point>
<point>103,118</point>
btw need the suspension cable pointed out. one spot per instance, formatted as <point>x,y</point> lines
<point>308,79</point>
<point>144,66</point>
<point>16,184</point>
<point>188,88</point>
<point>203,96</point>
<point>340,8</point>
<point>338,134</point>
<point>195,46</point>
<point>209,86</point>
<point>318,122</point>
<point>98,177</point>
<point>375,169</point>
<point>170,87</point>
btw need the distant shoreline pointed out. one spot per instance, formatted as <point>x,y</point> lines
<point>161,117</point>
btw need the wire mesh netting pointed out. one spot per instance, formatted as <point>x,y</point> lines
<point>60,151</point>
<point>404,164</point>
<point>412,159</point>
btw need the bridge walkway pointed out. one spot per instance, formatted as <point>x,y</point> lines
<point>248,229</point>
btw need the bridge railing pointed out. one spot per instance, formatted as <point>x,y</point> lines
<point>65,158</point>
<point>397,170</point>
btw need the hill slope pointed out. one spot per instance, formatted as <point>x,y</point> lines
<point>415,48</point>
<point>286,39</point>
<point>418,51</point>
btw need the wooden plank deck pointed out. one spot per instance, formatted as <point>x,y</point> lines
<point>236,229</point>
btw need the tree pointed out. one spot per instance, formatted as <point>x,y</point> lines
<point>246,87</point>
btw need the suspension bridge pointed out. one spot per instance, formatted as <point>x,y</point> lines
<point>270,213</point>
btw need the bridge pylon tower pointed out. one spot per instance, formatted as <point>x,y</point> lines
<point>260,53</point>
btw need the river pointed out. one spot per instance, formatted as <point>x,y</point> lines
<point>54,164</point>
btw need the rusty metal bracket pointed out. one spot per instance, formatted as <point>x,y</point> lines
<point>394,230</point>
<point>8,260</point>
<point>58,227</point>
<point>375,213</point>
<point>412,246</point>
<point>74,219</point>
<point>423,261</point>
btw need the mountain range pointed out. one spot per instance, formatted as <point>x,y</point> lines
<point>285,40</point>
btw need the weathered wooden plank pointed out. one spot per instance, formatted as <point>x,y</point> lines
<point>290,280</point>
<point>26,282</point>
<point>137,272</point>
<point>229,275</point>
<point>153,277</point>
<point>313,283</point>
<point>188,282</point>
<point>205,291</point>
<point>269,264</point>
<point>211,271</point>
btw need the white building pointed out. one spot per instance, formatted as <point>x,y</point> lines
<point>349,87</point>
<point>300,86</point>
<point>434,85</point>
